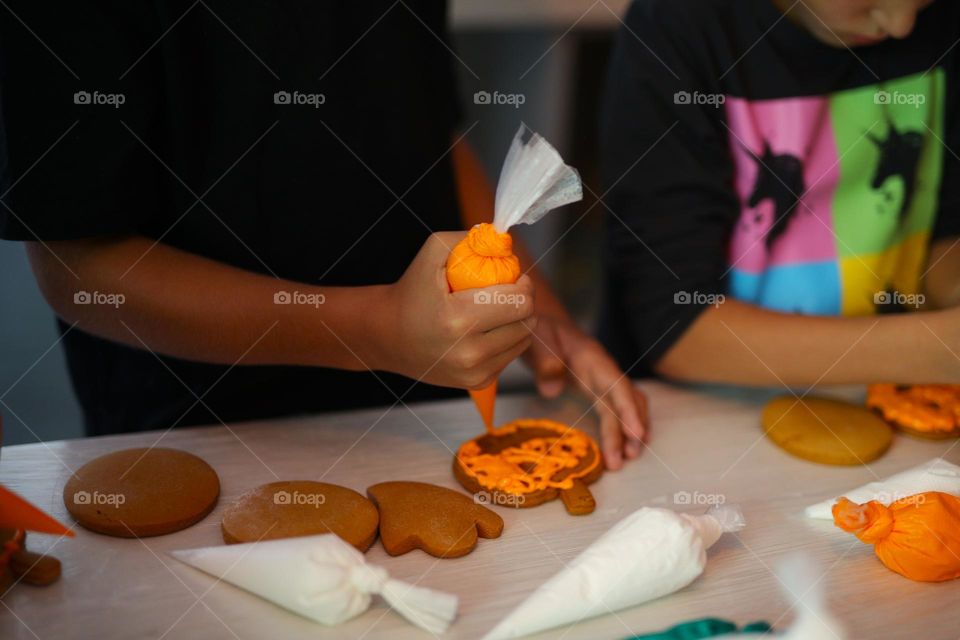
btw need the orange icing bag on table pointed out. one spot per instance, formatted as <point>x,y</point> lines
<point>533,181</point>
<point>917,536</point>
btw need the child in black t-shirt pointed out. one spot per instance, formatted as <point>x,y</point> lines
<point>778,175</point>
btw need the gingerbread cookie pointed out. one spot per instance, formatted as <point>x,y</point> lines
<point>825,431</point>
<point>301,508</point>
<point>141,492</point>
<point>925,410</point>
<point>442,522</point>
<point>525,463</point>
<point>18,564</point>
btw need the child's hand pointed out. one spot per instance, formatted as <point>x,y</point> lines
<point>462,339</point>
<point>562,353</point>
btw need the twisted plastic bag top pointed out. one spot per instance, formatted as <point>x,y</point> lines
<point>533,181</point>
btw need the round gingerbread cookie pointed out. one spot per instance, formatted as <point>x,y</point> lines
<point>301,508</point>
<point>923,410</point>
<point>527,462</point>
<point>825,430</point>
<point>137,493</point>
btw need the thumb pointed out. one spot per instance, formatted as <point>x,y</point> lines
<point>545,361</point>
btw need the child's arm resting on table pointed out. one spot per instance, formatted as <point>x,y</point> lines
<point>739,343</point>
<point>668,168</point>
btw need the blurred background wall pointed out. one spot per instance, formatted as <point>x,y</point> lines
<point>550,52</point>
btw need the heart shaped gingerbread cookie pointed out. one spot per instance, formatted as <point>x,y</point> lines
<point>440,521</point>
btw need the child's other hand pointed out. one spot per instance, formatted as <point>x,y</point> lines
<point>462,339</point>
<point>560,354</point>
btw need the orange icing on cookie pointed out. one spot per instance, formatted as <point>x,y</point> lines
<point>933,408</point>
<point>531,465</point>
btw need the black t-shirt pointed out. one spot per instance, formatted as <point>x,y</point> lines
<point>298,123</point>
<point>744,158</point>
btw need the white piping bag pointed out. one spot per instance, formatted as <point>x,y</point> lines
<point>934,475</point>
<point>649,554</point>
<point>321,578</point>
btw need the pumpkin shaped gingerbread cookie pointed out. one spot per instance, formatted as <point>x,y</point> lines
<point>924,410</point>
<point>528,462</point>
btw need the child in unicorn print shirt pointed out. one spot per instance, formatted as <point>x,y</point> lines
<point>783,191</point>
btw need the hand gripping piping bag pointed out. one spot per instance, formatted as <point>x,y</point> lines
<point>533,181</point>
<point>321,578</point>
<point>649,554</point>
<point>917,536</point>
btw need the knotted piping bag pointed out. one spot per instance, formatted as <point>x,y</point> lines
<point>321,578</point>
<point>533,181</point>
<point>917,536</point>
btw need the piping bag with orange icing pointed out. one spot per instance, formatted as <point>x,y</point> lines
<point>917,536</point>
<point>533,181</point>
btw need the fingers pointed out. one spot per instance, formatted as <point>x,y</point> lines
<point>623,399</point>
<point>492,307</point>
<point>432,257</point>
<point>506,337</point>
<point>544,359</point>
<point>492,368</point>
<point>611,438</point>
<point>644,409</point>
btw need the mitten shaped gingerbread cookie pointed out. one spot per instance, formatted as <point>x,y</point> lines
<point>442,522</point>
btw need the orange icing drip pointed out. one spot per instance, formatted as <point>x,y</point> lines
<point>531,465</point>
<point>11,546</point>
<point>926,407</point>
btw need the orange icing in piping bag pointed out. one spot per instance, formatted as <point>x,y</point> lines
<point>533,181</point>
<point>918,536</point>
<point>484,258</point>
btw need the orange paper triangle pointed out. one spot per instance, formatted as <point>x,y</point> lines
<point>17,513</point>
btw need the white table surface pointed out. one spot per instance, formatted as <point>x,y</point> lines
<point>706,441</point>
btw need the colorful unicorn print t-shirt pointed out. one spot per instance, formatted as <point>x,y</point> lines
<point>743,158</point>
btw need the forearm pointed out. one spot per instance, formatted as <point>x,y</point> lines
<point>737,343</point>
<point>941,284</point>
<point>179,304</point>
